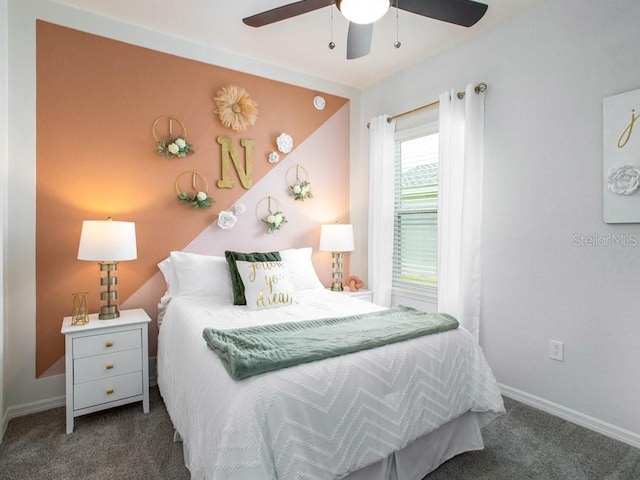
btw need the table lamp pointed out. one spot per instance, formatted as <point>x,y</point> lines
<point>336,238</point>
<point>108,243</point>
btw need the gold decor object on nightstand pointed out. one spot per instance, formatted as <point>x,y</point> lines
<point>80,311</point>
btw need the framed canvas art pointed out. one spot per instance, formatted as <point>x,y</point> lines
<point>621,157</point>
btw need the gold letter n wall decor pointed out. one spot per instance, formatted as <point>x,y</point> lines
<point>228,153</point>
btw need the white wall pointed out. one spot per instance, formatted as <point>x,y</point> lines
<point>23,392</point>
<point>548,71</point>
<point>4,99</point>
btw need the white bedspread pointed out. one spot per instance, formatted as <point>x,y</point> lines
<point>320,420</point>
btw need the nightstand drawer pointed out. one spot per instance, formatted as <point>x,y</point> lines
<point>108,365</point>
<point>108,390</point>
<point>106,342</point>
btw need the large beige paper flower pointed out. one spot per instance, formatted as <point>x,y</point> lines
<point>236,109</point>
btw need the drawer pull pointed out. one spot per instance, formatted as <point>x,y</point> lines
<point>109,366</point>
<point>108,344</point>
<point>109,391</point>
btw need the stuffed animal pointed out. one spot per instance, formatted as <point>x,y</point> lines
<point>354,283</point>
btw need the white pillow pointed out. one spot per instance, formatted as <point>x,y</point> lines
<point>266,284</point>
<point>298,262</point>
<point>170,278</point>
<point>202,276</point>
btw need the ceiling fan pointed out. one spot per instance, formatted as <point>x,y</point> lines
<point>363,13</point>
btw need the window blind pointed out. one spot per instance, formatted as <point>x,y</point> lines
<point>416,210</point>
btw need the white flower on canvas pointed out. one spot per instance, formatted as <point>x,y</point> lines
<point>624,180</point>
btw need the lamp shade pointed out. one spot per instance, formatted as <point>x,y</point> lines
<point>107,241</point>
<point>336,238</point>
<point>363,11</point>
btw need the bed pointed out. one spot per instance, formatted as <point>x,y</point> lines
<point>397,411</point>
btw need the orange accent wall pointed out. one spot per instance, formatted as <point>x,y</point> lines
<point>97,99</point>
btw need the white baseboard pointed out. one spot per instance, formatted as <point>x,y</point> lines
<point>35,407</point>
<point>573,416</point>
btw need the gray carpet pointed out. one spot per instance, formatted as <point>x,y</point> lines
<point>527,444</point>
<point>123,443</point>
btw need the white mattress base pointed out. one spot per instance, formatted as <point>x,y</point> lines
<point>424,455</point>
<point>428,452</point>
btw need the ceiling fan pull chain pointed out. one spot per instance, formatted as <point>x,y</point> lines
<point>397,43</point>
<point>331,44</point>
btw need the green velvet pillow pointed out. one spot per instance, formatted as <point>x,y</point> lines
<point>236,280</point>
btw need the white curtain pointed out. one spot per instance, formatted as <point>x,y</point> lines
<point>460,206</point>
<point>381,197</point>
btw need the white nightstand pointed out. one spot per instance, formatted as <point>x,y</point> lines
<point>107,363</point>
<point>362,294</point>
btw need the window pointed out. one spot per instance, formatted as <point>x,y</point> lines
<point>416,210</point>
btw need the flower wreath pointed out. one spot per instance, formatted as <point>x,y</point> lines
<point>276,220</point>
<point>176,147</point>
<point>300,189</point>
<point>198,199</point>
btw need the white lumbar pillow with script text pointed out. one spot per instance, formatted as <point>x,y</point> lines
<point>266,284</point>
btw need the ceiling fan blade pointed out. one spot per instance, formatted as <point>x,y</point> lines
<point>284,12</point>
<point>459,12</point>
<point>359,40</point>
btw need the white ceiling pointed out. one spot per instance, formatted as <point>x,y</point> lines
<point>301,43</point>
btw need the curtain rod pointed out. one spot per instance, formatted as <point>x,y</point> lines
<point>481,87</point>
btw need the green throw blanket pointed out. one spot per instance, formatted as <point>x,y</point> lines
<point>253,350</point>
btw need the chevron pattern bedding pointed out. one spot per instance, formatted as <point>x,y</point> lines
<point>320,420</point>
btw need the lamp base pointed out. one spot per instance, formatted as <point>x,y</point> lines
<point>336,276</point>
<point>108,291</point>
<point>108,312</point>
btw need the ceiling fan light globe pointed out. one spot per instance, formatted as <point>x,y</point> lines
<point>363,11</point>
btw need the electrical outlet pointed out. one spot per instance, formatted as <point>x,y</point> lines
<point>556,351</point>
